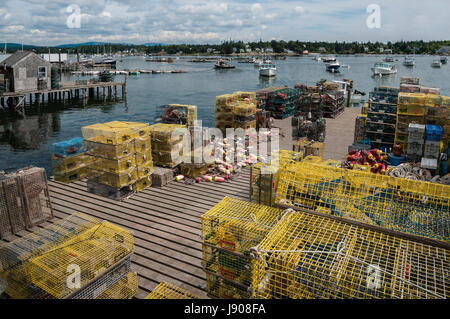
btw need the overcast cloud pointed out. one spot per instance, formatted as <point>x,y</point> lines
<point>43,22</point>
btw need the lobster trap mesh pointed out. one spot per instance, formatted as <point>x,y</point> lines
<point>125,288</point>
<point>36,196</point>
<point>15,256</point>
<point>230,229</point>
<point>237,225</point>
<point>403,205</point>
<point>308,256</point>
<point>92,252</point>
<point>220,288</point>
<point>168,291</point>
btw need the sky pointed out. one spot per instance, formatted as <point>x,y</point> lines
<point>54,22</point>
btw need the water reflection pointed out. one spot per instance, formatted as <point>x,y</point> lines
<point>31,130</point>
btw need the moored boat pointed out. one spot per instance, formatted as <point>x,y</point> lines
<point>409,61</point>
<point>329,59</point>
<point>333,67</point>
<point>443,59</point>
<point>221,64</point>
<point>436,64</point>
<point>267,69</point>
<point>383,68</point>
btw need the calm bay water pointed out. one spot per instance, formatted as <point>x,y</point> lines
<point>26,141</point>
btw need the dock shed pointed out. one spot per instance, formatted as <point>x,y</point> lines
<point>26,71</point>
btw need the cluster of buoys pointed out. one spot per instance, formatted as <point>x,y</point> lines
<point>373,158</point>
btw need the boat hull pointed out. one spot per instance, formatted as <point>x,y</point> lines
<point>267,72</point>
<point>382,71</point>
<point>333,68</point>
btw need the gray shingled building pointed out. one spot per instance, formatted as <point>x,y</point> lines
<point>26,71</point>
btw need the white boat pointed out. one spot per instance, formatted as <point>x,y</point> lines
<point>333,67</point>
<point>267,69</point>
<point>436,64</point>
<point>388,59</point>
<point>329,59</point>
<point>258,62</point>
<point>384,68</point>
<point>409,61</point>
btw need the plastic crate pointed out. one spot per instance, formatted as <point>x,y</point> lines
<point>433,133</point>
<point>68,148</point>
<point>429,163</point>
<point>432,149</point>
<point>415,149</point>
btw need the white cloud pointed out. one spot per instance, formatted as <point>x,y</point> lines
<point>105,14</point>
<point>299,9</point>
<point>200,21</point>
<point>257,9</point>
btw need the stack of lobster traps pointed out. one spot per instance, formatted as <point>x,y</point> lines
<point>78,257</point>
<point>24,200</point>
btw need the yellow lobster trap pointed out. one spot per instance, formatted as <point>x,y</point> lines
<point>168,291</point>
<point>403,205</point>
<point>229,230</point>
<point>125,288</point>
<point>92,253</point>
<point>309,256</point>
<point>15,256</point>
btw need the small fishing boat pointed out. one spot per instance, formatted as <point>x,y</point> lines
<point>333,67</point>
<point>329,59</point>
<point>436,64</point>
<point>409,61</point>
<point>388,59</point>
<point>383,68</point>
<point>221,64</point>
<point>267,69</point>
<point>443,59</point>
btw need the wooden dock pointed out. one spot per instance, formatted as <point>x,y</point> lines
<point>165,222</point>
<point>17,100</point>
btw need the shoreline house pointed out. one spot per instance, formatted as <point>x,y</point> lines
<point>26,71</point>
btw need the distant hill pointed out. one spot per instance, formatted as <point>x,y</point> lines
<point>17,46</point>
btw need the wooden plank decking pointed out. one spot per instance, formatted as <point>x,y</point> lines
<point>165,222</point>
